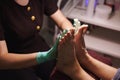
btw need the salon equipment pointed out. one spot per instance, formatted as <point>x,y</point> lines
<point>103,11</point>
<point>90,8</point>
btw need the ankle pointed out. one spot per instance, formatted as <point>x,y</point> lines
<point>80,74</point>
<point>69,69</point>
<point>84,58</point>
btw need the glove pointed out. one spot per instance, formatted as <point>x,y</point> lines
<point>50,54</point>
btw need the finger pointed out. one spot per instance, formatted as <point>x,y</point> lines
<point>84,27</point>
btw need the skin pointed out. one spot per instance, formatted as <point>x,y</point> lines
<point>102,70</point>
<point>75,54</point>
<point>67,61</point>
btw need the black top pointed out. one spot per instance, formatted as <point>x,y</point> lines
<point>20,32</point>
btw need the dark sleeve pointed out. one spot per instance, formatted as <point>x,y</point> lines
<point>1,30</point>
<point>117,75</point>
<point>50,7</point>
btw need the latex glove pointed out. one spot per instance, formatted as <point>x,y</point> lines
<point>52,53</point>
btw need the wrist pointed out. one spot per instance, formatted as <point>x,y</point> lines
<point>41,57</point>
<point>86,59</point>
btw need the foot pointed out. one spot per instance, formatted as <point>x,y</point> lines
<point>79,43</point>
<point>67,61</point>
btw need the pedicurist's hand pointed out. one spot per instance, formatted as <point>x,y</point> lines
<point>52,53</point>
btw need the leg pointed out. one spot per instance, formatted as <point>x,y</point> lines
<point>100,69</point>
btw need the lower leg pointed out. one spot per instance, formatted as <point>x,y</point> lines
<point>100,69</point>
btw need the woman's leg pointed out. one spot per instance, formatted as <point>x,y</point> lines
<point>102,70</point>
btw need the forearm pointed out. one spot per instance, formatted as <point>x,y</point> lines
<point>66,24</point>
<point>61,20</point>
<point>16,61</point>
<point>100,69</point>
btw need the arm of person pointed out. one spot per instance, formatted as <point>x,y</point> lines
<point>15,61</point>
<point>102,70</point>
<point>61,20</point>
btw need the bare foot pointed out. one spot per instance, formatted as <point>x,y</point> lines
<point>79,43</point>
<point>67,61</point>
